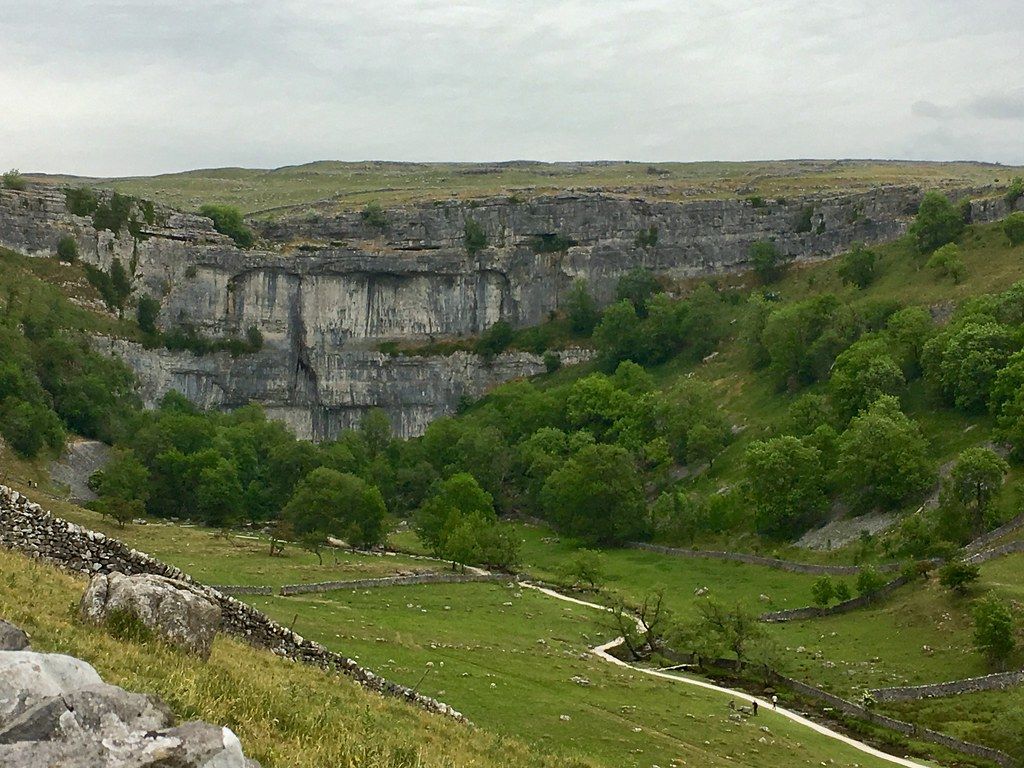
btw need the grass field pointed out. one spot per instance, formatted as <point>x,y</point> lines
<point>287,715</point>
<point>507,658</point>
<point>443,638</point>
<point>348,185</point>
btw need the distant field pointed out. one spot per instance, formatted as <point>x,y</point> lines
<point>349,185</point>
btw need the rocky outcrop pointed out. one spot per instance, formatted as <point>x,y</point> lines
<point>56,712</point>
<point>172,609</point>
<point>325,290</point>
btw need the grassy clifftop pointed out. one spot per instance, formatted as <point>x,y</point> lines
<point>351,185</point>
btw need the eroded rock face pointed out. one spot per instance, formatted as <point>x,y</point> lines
<point>326,290</point>
<point>172,609</point>
<point>56,712</point>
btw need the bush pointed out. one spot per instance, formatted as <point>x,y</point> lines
<point>113,214</point>
<point>994,631</point>
<point>114,287</point>
<point>647,237</point>
<point>947,262</point>
<point>858,266</point>
<point>581,309</point>
<point>549,243</point>
<point>80,201</point>
<point>938,222</point>
<point>822,591</point>
<point>637,287</point>
<point>785,485</point>
<point>474,236</point>
<point>768,263</point>
<point>552,362</point>
<point>147,313</point>
<point>1015,191</point>
<point>67,249</point>
<point>373,214</point>
<point>869,581</point>
<point>13,179</point>
<point>254,338</point>
<point>803,222</point>
<point>958,575</point>
<point>495,339</point>
<point>228,221</point>
<point>1013,228</point>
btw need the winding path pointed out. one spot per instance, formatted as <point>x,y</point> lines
<point>602,652</point>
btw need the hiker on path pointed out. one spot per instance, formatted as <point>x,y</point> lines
<point>754,702</point>
<point>775,701</point>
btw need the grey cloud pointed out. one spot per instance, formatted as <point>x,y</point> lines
<point>141,86</point>
<point>1008,106</point>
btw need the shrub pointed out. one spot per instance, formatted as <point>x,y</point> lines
<point>937,223</point>
<point>647,237</point>
<point>113,214</point>
<point>373,214</point>
<point>842,591</point>
<point>146,313</point>
<point>551,243</point>
<point>785,485</point>
<point>869,581</point>
<point>581,309</point>
<point>552,362</point>
<point>803,221</point>
<point>947,262</point>
<point>958,575</point>
<point>67,249</point>
<point>1013,228</point>
<point>858,266</point>
<point>768,263</point>
<point>637,287</point>
<point>1015,191</point>
<point>81,201</point>
<point>756,201</point>
<point>994,630</point>
<point>13,179</point>
<point>822,591</point>
<point>474,236</point>
<point>495,339</point>
<point>254,338</point>
<point>228,221</point>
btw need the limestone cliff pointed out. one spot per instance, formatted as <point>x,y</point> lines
<point>325,289</point>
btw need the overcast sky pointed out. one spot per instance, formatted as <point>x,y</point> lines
<point>146,86</point>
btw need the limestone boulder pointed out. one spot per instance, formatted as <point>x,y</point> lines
<point>56,712</point>
<point>12,638</point>
<point>176,611</point>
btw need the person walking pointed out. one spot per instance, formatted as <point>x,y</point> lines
<point>754,703</point>
<point>775,701</point>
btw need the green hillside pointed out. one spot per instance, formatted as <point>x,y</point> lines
<point>737,413</point>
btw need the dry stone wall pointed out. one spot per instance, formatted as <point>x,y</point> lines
<point>994,682</point>
<point>26,527</point>
<point>908,729</point>
<point>768,562</point>
<point>393,581</point>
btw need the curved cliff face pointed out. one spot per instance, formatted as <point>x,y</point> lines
<point>413,391</point>
<point>325,290</point>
